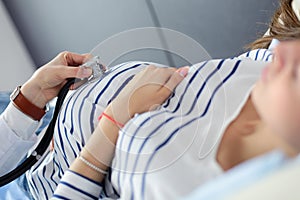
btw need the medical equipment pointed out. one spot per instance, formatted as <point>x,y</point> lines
<point>99,71</point>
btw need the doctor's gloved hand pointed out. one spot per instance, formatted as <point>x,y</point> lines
<point>47,81</point>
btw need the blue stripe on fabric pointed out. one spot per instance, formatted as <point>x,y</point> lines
<point>120,88</point>
<point>177,107</point>
<point>264,54</point>
<point>166,104</point>
<point>33,181</point>
<point>248,54</point>
<point>62,147</point>
<point>92,115</point>
<point>62,144</point>
<point>72,125</point>
<point>86,178</point>
<point>204,84</point>
<point>148,118</point>
<point>60,130</point>
<point>256,55</point>
<point>79,114</point>
<point>187,123</point>
<point>78,146</point>
<point>62,117</point>
<point>41,160</point>
<point>268,57</point>
<point>78,94</point>
<point>57,162</point>
<point>190,110</point>
<point>106,87</point>
<point>173,117</point>
<point>60,197</point>
<point>47,181</point>
<point>110,179</point>
<point>113,77</point>
<point>56,169</point>
<point>43,187</point>
<point>33,185</point>
<point>188,86</point>
<point>180,100</point>
<point>81,106</point>
<point>69,142</point>
<point>109,101</point>
<point>78,189</point>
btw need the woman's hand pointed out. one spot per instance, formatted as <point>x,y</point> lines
<point>46,82</point>
<point>146,91</point>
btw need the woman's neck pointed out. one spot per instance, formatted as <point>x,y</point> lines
<point>264,140</point>
<point>247,137</point>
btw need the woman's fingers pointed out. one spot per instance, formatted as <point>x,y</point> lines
<point>174,80</point>
<point>149,88</point>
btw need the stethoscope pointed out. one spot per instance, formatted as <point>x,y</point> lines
<point>44,143</point>
<point>99,71</point>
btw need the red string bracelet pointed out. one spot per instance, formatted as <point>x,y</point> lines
<point>110,119</point>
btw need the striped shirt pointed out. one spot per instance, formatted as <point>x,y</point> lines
<point>162,154</point>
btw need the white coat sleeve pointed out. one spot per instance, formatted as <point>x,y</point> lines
<point>17,137</point>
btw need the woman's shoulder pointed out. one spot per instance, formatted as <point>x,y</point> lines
<point>257,55</point>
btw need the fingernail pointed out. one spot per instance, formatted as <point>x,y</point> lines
<point>87,71</point>
<point>183,71</point>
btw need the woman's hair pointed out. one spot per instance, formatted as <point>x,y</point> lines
<point>284,26</point>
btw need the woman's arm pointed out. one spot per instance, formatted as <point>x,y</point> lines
<point>148,89</point>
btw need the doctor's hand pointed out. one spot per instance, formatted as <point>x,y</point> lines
<point>47,81</point>
<point>146,91</point>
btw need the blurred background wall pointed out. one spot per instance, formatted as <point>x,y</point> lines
<point>222,27</point>
<point>16,63</point>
